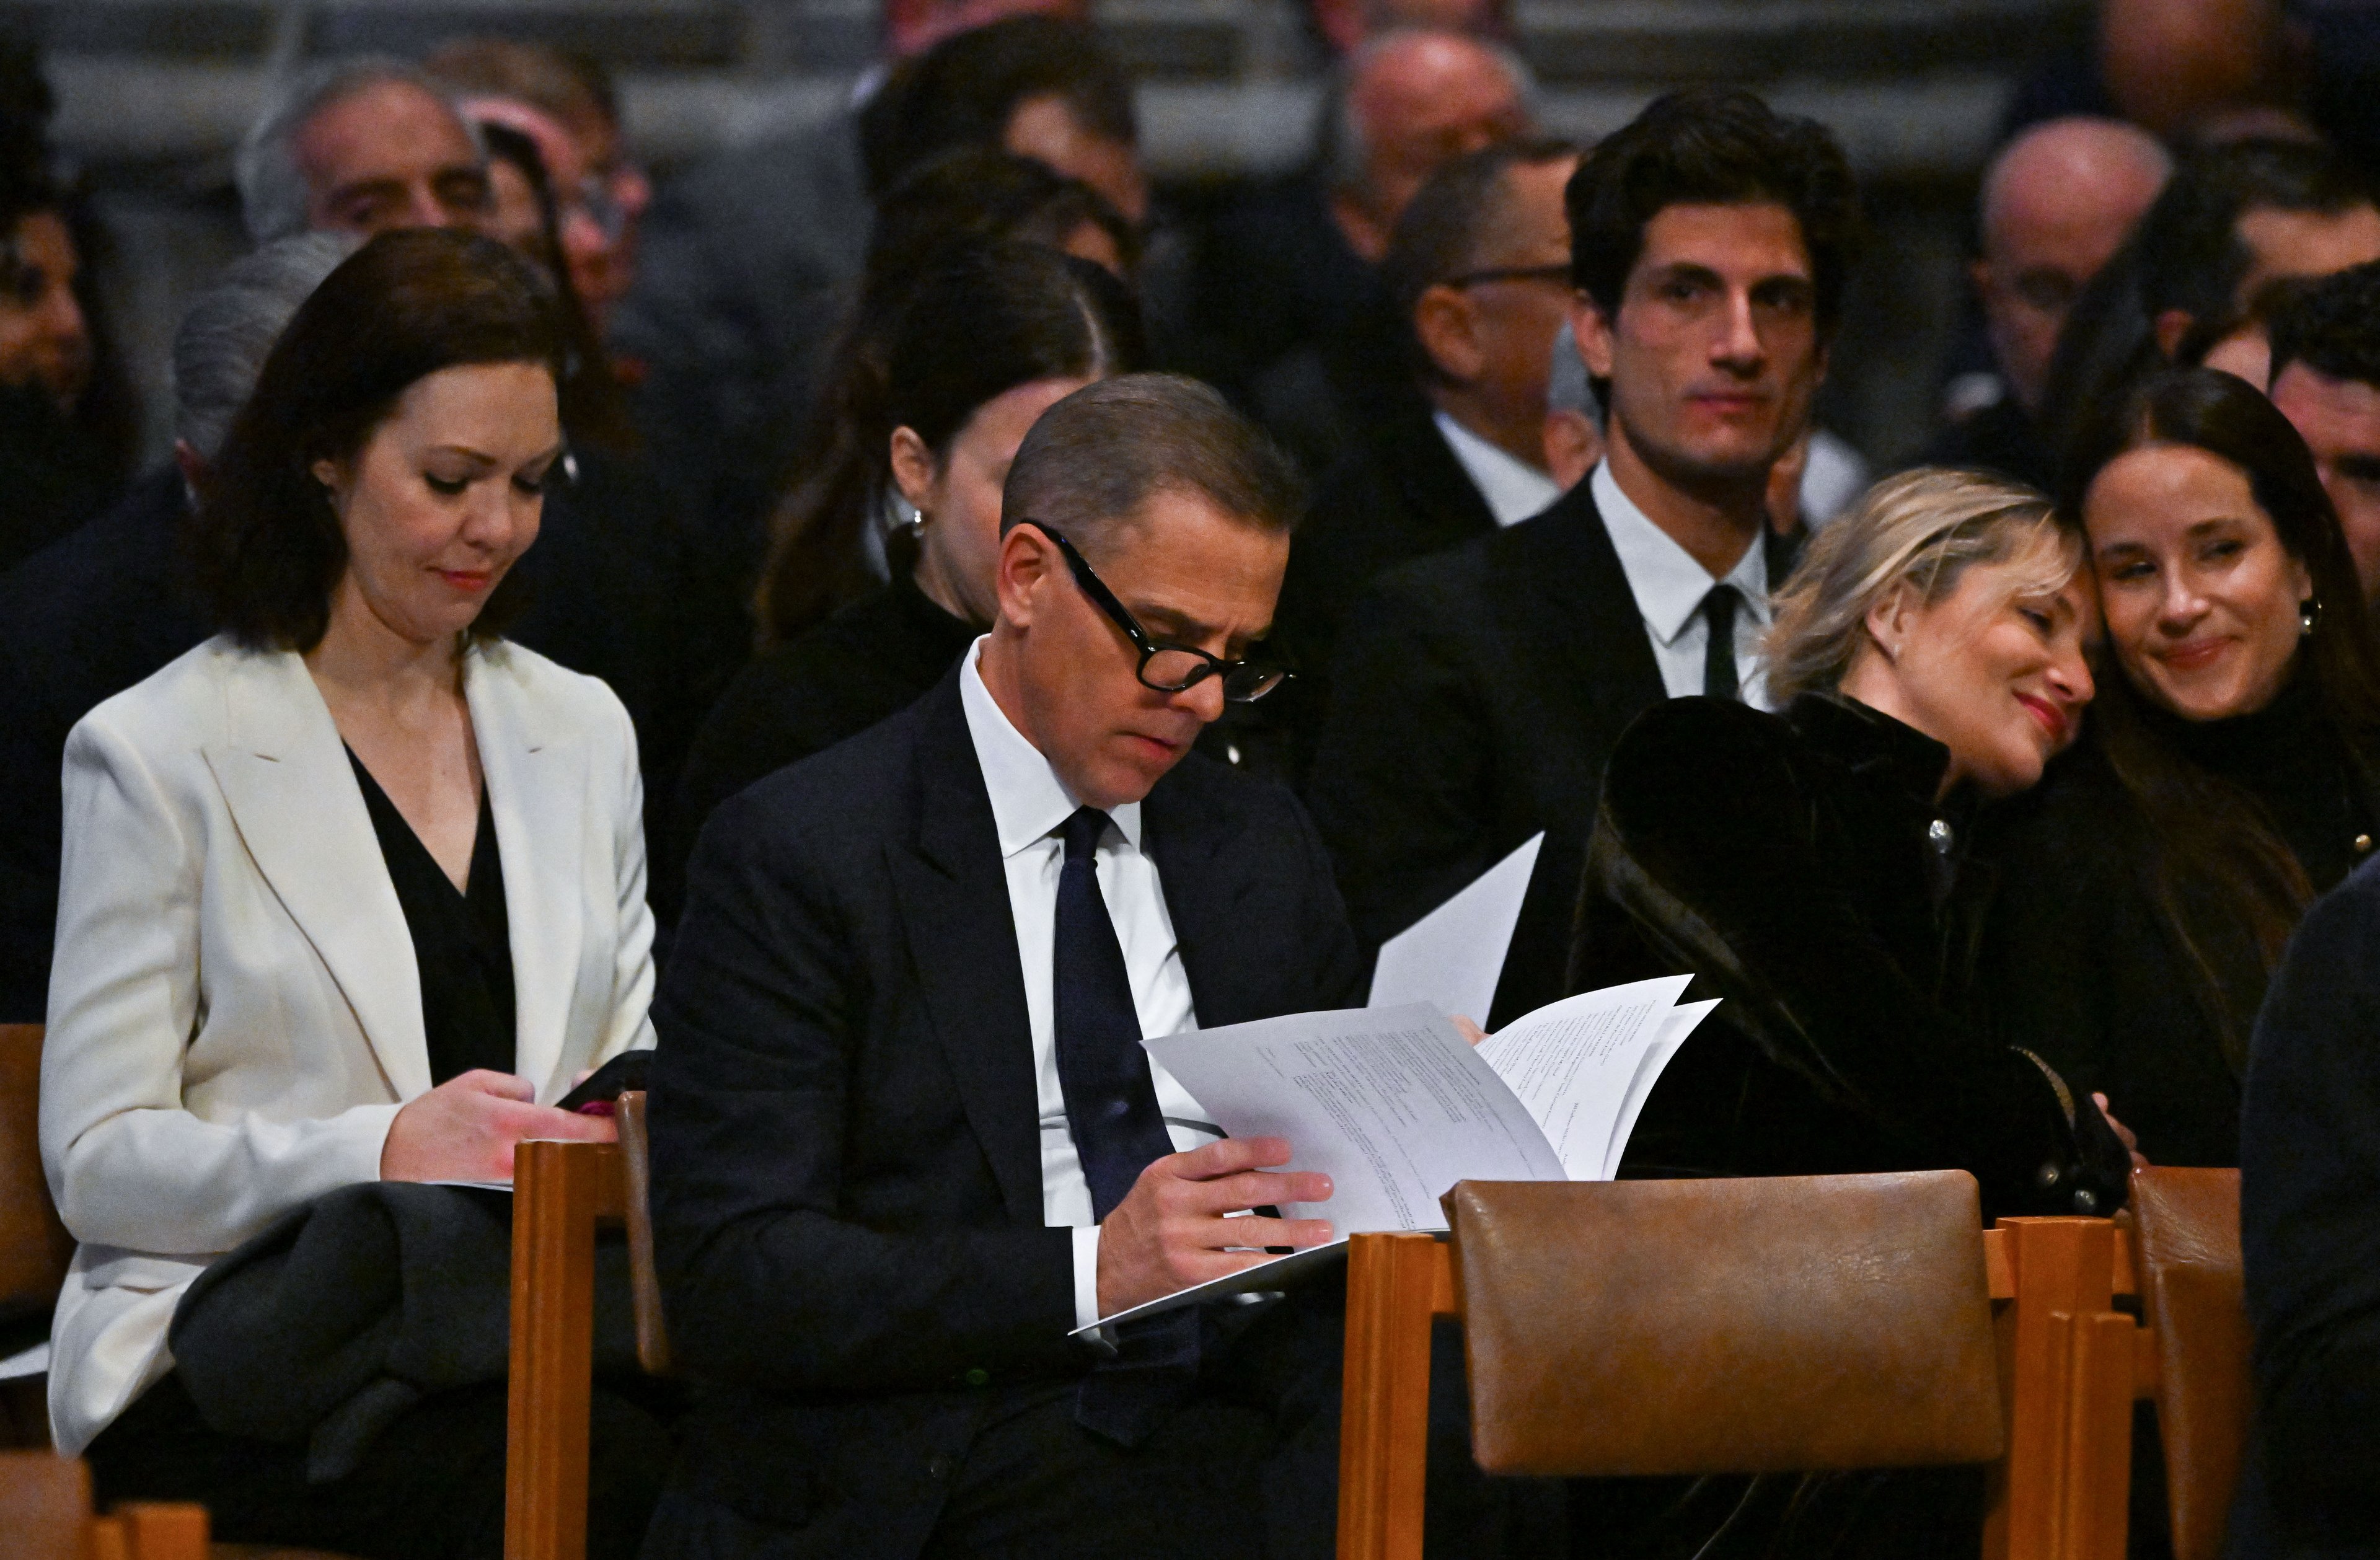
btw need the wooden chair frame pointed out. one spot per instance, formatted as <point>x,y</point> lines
<point>563,1193</point>
<point>2070,1365</point>
<point>45,1514</point>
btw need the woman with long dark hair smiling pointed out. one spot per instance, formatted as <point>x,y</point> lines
<point>2229,777</point>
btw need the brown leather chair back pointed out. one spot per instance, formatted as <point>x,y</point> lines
<point>2186,1225</point>
<point>34,1248</point>
<point>1722,1326</point>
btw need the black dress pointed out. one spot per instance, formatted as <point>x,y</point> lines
<point>1799,867</point>
<point>2080,965</point>
<point>433,1485</point>
<point>868,662</point>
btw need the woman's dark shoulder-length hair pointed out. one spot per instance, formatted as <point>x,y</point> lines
<point>2214,868</point>
<point>266,546</point>
<point>2228,417</point>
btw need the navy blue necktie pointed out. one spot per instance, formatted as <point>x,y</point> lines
<point>1110,1102</point>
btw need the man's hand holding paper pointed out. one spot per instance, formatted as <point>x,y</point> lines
<point>1187,1220</point>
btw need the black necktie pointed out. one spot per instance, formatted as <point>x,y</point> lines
<point>1718,652</point>
<point>1111,1104</point>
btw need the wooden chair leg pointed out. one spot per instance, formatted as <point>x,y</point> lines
<point>1395,1285</point>
<point>560,1191</point>
<point>2051,1499</point>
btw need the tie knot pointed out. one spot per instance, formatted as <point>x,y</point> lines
<point>1719,607</point>
<point>1082,833</point>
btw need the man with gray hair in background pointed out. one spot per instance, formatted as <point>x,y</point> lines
<point>103,607</point>
<point>360,145</point>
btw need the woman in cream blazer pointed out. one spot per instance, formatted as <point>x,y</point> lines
<point>236,1018</point>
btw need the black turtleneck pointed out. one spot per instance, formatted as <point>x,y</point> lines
<point>868,662</point>
<point>2081,959</point>
<point>2292,759</point>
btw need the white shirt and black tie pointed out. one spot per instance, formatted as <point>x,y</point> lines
<point>1030,807</point>
<point>1676,595</point>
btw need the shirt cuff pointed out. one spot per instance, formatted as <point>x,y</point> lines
<point>1087,1275</point>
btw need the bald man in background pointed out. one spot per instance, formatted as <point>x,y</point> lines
<point>1281,303</point>
<point>2058,202</point>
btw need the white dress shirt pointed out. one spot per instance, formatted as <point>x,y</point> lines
<point>1030,804</point>
<point>1669,586</point>
<point>1514,489</point>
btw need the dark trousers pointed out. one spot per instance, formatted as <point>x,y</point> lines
<point>431,1487</point>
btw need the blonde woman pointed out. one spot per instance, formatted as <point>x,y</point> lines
<point>1926,656</point>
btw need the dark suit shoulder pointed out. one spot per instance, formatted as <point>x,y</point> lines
<point>850,796</point>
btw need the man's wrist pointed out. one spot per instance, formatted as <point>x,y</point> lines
<point>1087,1275</point>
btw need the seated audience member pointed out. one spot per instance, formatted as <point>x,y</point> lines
<point>988,342</point>
<point>360,146</point>
<point>2227,778</point>
<point>2232,221</point>
<point>98,610</point>
<point>1282,302</point>
<point>565,104</point>
<point>904,1137</point>
<point>2058,202</point>
<point>2310,1227</point>
<point>353,891</point>
<point>744,303</point>
<point>2326,378</point>
<point>1479,269</point>
<point>1927,657</point>
<point>1573,438</point>
<point>1476,693</point>
<point>63,461</point>
<point>2176,70</point>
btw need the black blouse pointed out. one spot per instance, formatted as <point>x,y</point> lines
<point>462,943</point>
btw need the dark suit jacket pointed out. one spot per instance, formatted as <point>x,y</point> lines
<point>1402,495</point>
<point>1474,698</point>
<point>80,621</point>
<point>2310,1227</point>
<point>847,1174</point>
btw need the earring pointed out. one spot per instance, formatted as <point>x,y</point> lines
<point>2309,613</point>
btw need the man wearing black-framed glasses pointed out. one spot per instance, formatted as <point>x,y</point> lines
<point>904,1136</point>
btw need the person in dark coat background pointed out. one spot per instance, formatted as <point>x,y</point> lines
<point>989,339</point>
<point>2231,771</point>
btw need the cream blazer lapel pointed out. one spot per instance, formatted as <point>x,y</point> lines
<point>537,778</point>
<point>283,774</point>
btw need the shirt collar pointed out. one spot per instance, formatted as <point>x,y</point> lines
<point>1514,489</point>
<point>1028,801</point>
<point>1668,583</point>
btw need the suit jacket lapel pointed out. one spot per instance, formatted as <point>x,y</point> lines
<point>535,770</point>
<point>954,895</point>
<point>1185,832</point>
<point>1610,654</point>
<point>1436,488</point>
<point>284,774</point>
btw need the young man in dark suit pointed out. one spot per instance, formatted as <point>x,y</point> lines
<point>904,1135</point>
<point>1476,693</point>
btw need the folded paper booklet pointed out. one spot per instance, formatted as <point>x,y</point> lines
<point>1395,1106</point>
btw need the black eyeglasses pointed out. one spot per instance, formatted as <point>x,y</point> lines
<point>1556,274</point>
<point>1166,668</point>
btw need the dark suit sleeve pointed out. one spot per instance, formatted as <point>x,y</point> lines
<point>1342,975</point>
<point>1705,846</point>
<point>2310,1221</point>
<point>1402,786</point>
<point>775,989</point>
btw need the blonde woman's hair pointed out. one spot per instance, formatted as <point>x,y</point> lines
<point>1923,529</point>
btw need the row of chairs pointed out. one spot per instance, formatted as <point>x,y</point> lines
<point>1748,1326</point>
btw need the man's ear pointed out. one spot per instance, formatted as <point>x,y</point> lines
<point>1593,329</point>
<point>1979,277</point>
<point>2171,325</point>
<point>1447,328</point>
<point>914,470</point>
<point>1027,560</point>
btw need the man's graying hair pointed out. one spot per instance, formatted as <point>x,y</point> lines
<point>227,333</point>
<point>1347,149</point>
<point>273,196</point>
<point>1095,457</point>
